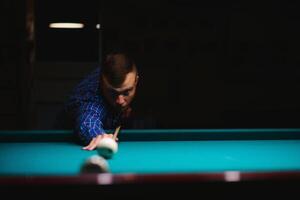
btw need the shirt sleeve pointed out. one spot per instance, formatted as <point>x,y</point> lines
<point>89,121</point>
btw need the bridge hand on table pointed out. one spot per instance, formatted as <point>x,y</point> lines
<point>94,142</point>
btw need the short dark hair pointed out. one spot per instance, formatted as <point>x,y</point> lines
<point>116,66</point>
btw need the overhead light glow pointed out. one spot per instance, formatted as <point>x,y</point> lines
<point>66,25</point>
<point>98,26</point>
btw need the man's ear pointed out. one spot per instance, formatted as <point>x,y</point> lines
<point>137,79</point>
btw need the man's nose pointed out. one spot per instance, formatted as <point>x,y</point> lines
<point>120,100</point>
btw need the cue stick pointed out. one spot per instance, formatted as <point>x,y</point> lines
<point>116,132</point>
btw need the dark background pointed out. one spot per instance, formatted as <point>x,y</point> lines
<point>211,64</point>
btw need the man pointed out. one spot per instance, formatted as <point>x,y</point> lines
<point>102,100</point>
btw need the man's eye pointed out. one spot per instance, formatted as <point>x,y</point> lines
<point>126,93</point>
<point>113,93</point>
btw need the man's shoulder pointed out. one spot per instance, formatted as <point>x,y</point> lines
<point>88,87</point>
<point>93,75</point>
<point>90,79</point>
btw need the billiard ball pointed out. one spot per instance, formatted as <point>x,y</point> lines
<point>95,164</point>
<point>107,147</point>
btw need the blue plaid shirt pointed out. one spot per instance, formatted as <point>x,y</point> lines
<point>88,109</point>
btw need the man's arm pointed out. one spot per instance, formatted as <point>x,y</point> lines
<point>88,124</point>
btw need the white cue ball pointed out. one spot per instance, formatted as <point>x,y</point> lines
<point>95,164</point>
<point>107,147</point>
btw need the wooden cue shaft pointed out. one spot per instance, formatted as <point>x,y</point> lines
<point>116,132</point>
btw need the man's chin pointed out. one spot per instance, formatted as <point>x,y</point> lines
<point>121,108</point>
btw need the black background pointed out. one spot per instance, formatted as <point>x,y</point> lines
<point>208,64</point>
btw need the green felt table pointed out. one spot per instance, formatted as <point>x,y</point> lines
<point>54,153</point>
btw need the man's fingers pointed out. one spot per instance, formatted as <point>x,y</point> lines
<point>86,147</point>
<point>111,136</point>
<point>96,142</point>
<point>93,143</point>
<point>108,135</point>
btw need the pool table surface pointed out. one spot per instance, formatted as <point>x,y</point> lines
<point>154,156</point>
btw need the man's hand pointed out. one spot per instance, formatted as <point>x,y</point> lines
<point>95,141</point>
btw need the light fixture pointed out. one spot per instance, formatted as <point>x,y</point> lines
<point>66,25</point>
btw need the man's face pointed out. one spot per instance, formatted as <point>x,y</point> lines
<point>120,97</point>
